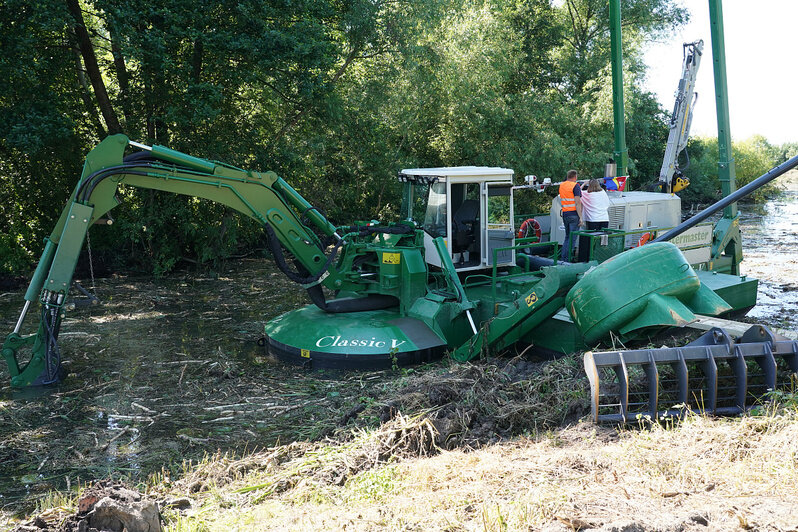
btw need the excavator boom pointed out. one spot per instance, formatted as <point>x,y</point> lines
<point>263,196</point>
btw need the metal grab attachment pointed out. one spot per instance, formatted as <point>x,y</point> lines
<point>712,374</point>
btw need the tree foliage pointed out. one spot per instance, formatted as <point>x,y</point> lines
<point>334,96</point>
<point>753,157</point>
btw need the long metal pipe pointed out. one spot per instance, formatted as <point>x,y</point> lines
<point>621,153</point>
<point>740,193</point>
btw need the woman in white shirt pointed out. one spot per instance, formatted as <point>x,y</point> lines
<point>595,206</point>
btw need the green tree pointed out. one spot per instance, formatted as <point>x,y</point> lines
<point>336,97</point>
<point>43,120</point>
<point>752,158</point>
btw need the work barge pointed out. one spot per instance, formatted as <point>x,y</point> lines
<point>463,274</point>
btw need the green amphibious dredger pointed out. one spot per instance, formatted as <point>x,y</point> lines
<point>456,276</point>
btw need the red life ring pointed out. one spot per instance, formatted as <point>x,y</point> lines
<point>644,238</point>
<point>530,223</point>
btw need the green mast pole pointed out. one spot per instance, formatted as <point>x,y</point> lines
<point>621,154</point>
<point>727,249</point>
<point>726,170</point>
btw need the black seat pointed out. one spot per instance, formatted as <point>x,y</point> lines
<point>463,224</point>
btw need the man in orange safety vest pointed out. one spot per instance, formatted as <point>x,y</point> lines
<point>571,201</point>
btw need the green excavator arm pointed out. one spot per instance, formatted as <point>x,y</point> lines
<point>263,196</point>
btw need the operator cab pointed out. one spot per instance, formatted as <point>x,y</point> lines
<point>471,207</point>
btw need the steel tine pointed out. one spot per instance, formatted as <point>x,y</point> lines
<point>593,377</point>
<point>768,365</point>
<point>792,358</point>
<point>652,374</point>
<point>683,375</point>
<point>761,341</point>
<point>623,384</point>
<point>741,376</point>
<point>711,373</point>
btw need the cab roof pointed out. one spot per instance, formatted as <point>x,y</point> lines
<point>489,173</point>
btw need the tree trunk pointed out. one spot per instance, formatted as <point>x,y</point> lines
<point>93,69</point>
<point>196,61</point>
<point>121,75</point>
<point>85,95</point>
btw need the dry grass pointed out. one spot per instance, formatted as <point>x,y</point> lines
<point>323,463</point>
<point>705,474</point>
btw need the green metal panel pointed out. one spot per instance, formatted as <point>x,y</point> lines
<point>71,242</point>
<point>363,339</point>
<point>641,288</point>
<point>739,291</point>
<point>414,278</point>
<point>557,334</point>
<point>107,153</point>
<point>621,154</point>
<point>525,311</point>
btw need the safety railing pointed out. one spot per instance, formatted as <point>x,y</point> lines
<point>606,243</point>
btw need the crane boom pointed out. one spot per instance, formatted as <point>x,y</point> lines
<point>681,118</point>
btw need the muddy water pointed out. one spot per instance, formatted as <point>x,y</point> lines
<point>164,371</point>
<point>770,251</point>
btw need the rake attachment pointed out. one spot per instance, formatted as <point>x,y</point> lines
<point>712,374</point>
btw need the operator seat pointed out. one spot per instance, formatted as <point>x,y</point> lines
<point>464,222</point>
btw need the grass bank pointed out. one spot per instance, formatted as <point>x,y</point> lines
<point>401,474</point>
<point>705,473</point>
<point>168,371</point>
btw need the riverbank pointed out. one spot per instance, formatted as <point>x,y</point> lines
<point>702,474</point>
